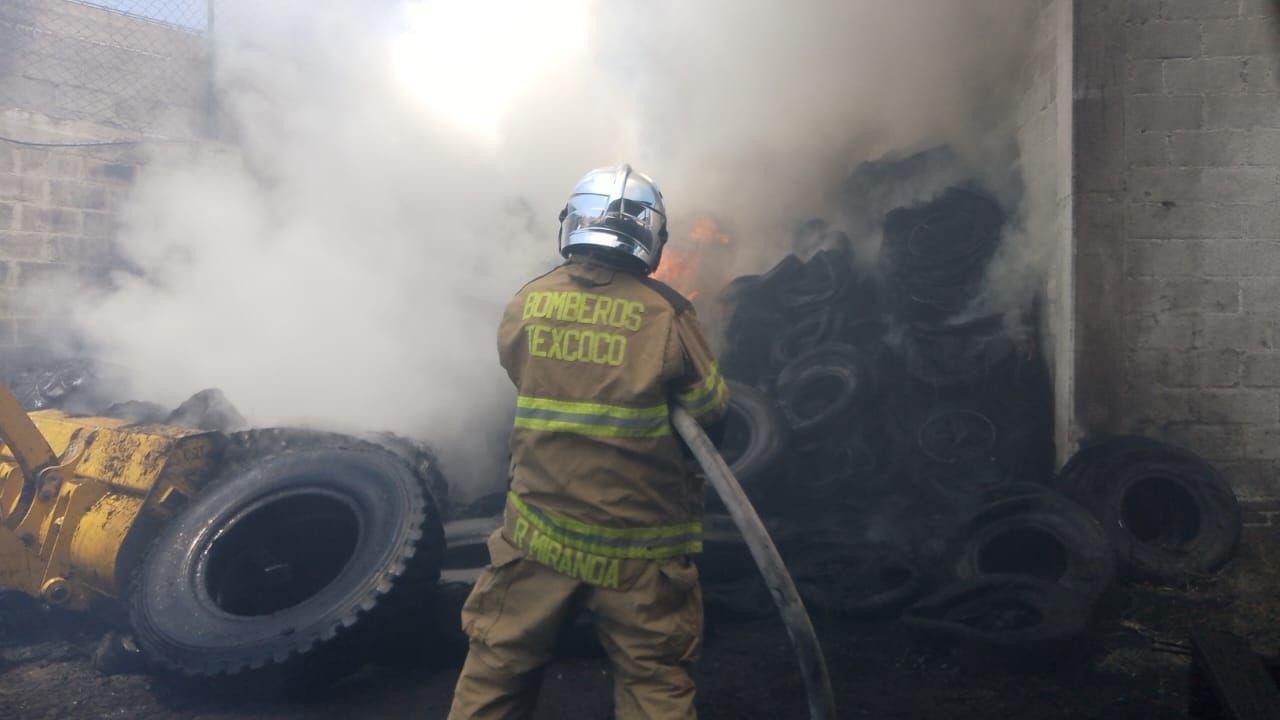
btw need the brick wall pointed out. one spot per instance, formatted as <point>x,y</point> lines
<point>1177,182</point>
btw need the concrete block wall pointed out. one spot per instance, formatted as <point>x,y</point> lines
<point>71,60</point>
<point>74,75</point>
<point>1177,183</point>
<point>58,215</point>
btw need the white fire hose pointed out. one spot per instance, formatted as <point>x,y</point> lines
<point>813,666</point>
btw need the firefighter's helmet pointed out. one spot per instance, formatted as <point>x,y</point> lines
<point>618,211</point>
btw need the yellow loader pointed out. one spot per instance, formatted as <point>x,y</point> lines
<point>265,550</point>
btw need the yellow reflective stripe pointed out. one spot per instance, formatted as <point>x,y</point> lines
<point>592,419</point>
<point>707,396</point>
<point>586,408</point>
<point>588,567</point>
<point>576,526</point>
<point>625,552</point>
<point>713,403</point>
<point>698,393</point>
<point>577,428</point>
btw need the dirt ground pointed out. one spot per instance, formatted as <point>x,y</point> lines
<point>878,669</point>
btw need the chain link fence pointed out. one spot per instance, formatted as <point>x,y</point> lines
<point>136,64</point>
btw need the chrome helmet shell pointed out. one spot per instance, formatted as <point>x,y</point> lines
<point>618,211</point>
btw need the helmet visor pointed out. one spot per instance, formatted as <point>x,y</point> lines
<point>627,219</point>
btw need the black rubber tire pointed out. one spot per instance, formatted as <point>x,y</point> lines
<point>824,281</point>
<point>1006,613</point>
<point>756,440</point>
<point>820,388</point>
<point>935,254</point>
<point>817,326</point>
<point>370,504</point>
<point>1169,514</point>
<point>968,353</point>
<point>424,462</point>
<point>1042,535</point>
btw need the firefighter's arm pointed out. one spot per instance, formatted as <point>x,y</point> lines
<point>700,389</point>
<point>511,340</point>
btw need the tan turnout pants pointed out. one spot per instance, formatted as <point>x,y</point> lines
<point>652,633</point>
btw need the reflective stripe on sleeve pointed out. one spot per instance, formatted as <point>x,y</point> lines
<point>586,418</point>
<point>706,397</point>
<point>649,543</point>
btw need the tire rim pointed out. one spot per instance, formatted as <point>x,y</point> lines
<point>1023,550</point>
<point>816,396</point>
<point>1161,512</point>
<point>277,552</point>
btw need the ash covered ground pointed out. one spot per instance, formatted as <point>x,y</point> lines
<point>879,669</point>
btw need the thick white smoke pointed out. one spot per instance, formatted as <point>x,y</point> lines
<point>346,263</point>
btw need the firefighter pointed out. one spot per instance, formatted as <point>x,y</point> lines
<point>603,510</point>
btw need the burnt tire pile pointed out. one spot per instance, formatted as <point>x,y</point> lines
<point>907,440</point>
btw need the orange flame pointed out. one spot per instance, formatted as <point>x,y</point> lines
<point>689,266</point>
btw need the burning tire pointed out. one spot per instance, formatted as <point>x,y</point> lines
<point>1041,535</point>
<point>287,562</point>
<point>1168,513</point>
<point>820,388</point>
<point>1007,613</point>
<point>935,254</point>
<point>819,326</point>
<point>824,279</point>
<point>964,353</point>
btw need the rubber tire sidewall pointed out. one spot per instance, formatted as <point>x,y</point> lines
<point>179,626</point>
<point>1213,545</point>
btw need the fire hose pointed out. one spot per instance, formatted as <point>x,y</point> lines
<point>813,666</point>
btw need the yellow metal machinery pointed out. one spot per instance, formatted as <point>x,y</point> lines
<point>80,498</point>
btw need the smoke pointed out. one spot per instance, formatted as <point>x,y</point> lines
<point>396,171</point>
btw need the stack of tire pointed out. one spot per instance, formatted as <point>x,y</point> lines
<point>908,441</point>
<point>935,254</point>
<point>802,350</point>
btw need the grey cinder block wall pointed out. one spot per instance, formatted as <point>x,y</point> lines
<point>79,75</point>
<point>1176,201</point>
<point>58,213</point>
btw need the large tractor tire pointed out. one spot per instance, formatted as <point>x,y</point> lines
<point>299,553</point>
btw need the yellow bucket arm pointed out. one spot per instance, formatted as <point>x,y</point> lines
<point>75,490</point>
